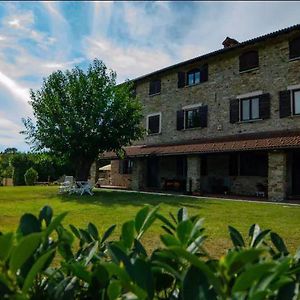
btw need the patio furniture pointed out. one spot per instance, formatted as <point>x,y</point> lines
<point>67,185</point>
<point>84,187</point>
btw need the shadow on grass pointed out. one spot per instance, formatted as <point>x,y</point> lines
<point>111,198</point>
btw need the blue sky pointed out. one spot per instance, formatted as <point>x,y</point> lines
<point>132,38</point>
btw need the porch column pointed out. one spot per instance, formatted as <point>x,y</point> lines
<point>193,173</point>
<point>138,174</point>
<point>94,172</point>
<point>277,176</point>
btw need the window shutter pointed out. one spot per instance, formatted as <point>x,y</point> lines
<point>284,104</point>
<point>204,73</point>
<point>152,88</point>
<point>157,86</point>
<point>153,124</point>
<point>234,110</point>
<point>249,60</point>
<point>264,106</point>
<point>120,166</point>
<point>294,46</point>
<point>180,119</point>
<point>203,115</point>
<point>181,80</point>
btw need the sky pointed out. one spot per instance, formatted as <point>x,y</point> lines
<point>132,38</point>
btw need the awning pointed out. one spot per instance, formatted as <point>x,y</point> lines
<point>105,168</point>
<point>242,142</point>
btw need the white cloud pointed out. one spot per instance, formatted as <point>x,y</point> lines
<point>128,62</point>
<point>14,88</point>
<point>10,133</point>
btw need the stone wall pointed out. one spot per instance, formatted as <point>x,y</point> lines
<point>193,173</point>
<point>117,179</point>
<point>277,176</point>
<point>139,174</point>
<point>225,82</point>
<point>247,185</point>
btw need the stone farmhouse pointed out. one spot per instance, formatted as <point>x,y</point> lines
<point>227,122</point>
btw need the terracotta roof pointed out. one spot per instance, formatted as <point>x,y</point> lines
<point>253,41</point>
<point>262,141</point>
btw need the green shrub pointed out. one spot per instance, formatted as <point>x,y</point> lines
<point>90,265</point>
<point>30,176</point>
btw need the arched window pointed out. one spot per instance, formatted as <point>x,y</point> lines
<point>249,60</point>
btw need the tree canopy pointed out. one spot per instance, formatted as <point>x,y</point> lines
<point>80,115</point>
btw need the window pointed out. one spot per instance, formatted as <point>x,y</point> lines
<point>181,166</point>
<point>193,77</point>
<point>294,46</point>
<point>249,60</point>
<point>250,109</point>
<point>153,123</point>
<point>154,87</point>
<point>296,102</point>
<point>192,118</point>
<point>125,166</point>
<point>254,164</point>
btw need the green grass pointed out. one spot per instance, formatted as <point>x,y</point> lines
<point>114,207</point>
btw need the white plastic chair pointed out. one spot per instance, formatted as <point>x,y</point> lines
<point>67,185</point>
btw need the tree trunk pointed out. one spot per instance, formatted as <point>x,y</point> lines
<point>82,168</point>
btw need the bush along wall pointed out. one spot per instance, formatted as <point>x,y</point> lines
<point>44,259</point>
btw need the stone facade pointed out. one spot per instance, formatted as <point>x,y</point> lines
<point>277,177</point>
<point>138,174</point>
<point>117,179</point>
<point>276,72</point>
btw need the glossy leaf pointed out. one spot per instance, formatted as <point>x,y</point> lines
<point>24,250</point>
<point>93,231</point>
<point>29,224</point>
<point>36,268</point>
<point>6,243</point>
<point>236,237</point>
<point>196,286</point>
<point>128,234</point>
<point>46,214</point>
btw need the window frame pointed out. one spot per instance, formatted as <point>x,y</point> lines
<point>154,82</point>
<point>129,167</point>
<point>159,126</point>
<point>193,72</point>
<point>251,68</point>
<point>250,109</point>
<point>186,117</point>
<point>293,101</point>
<point>291,41</point>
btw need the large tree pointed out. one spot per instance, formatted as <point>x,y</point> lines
<point>80,115</point>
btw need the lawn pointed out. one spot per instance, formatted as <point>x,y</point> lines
<point>108,207</point>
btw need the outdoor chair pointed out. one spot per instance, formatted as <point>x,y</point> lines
<point>84,187</point>
<point>66,186</point>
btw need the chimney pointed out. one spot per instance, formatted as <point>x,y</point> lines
<point>229,42</point>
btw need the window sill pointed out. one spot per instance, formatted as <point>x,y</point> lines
<point>295,58</point>
<point>194,128</point>
<point>195,84</point>
<point>152,95</point>
<point>249,70</point>
<point>153,134</point>
<point>250,121</point>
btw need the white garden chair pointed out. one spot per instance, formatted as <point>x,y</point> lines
<point>66,186</point>
<point>84,187</point>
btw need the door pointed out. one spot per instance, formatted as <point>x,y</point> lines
<point>153,180</point>
<point>296,173</point>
